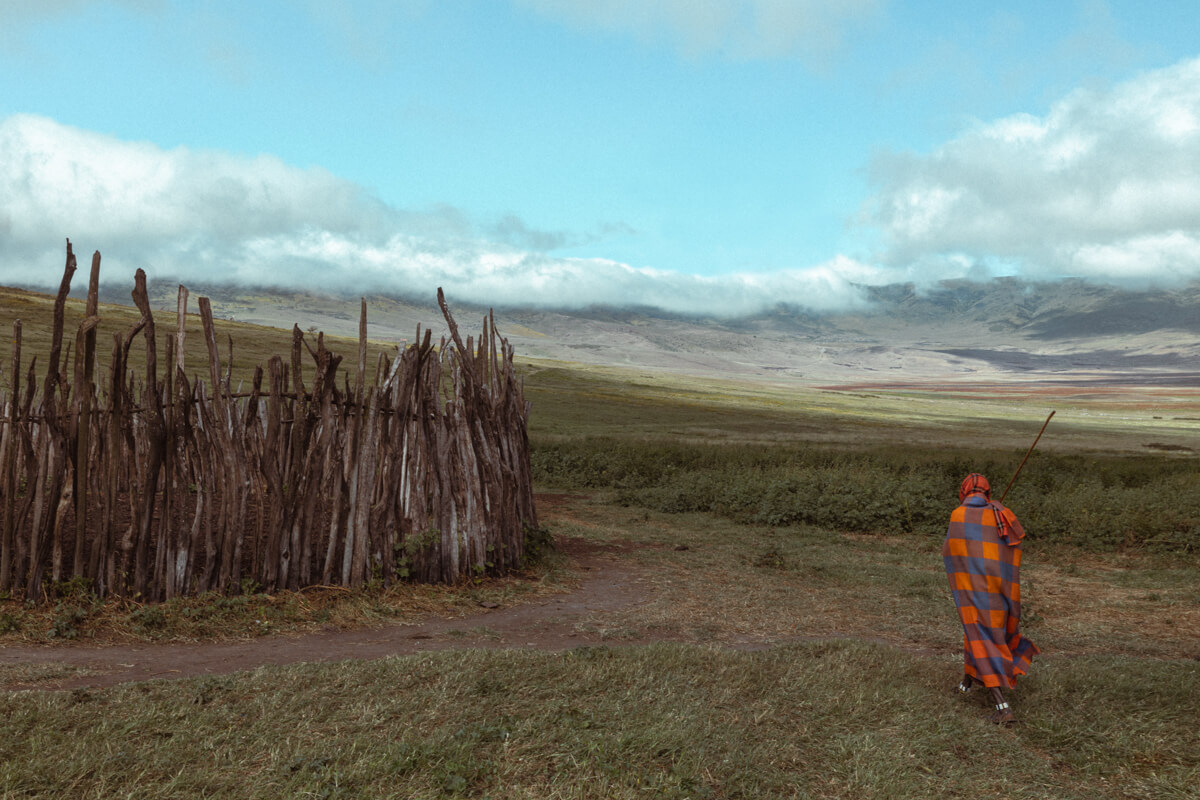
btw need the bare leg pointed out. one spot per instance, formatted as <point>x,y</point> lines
<point>1003,715</point>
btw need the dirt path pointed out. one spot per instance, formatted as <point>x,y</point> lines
<point>702,593</point>
<point>608,583</point>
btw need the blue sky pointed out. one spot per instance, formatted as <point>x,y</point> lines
<point>715,156</point>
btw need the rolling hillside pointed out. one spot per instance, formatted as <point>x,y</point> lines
<point>1004,330</point>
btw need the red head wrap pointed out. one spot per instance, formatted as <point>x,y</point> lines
<point>974,483</point>
<point>1010,528</point>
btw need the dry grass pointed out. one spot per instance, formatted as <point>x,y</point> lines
<point>830,720</point>
<point>576,400</point>
<point>1084,607</point>
<point>753,585</point>
<point>837,718</point>
<point>82,618</point>
<point>254,345</point>
<point>38,675</point>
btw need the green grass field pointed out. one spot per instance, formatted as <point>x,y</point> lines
<point>779,652</point>
<point>832,719</point>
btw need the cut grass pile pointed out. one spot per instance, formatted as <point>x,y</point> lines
<point>831,719</point>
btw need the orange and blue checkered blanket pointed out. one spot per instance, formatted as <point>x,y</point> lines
<point>982,554</point>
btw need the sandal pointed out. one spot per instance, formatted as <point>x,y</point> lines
<point>1004,715</point>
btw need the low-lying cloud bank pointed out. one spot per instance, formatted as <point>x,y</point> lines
<point>1106,187</point>
<point>216,218</point>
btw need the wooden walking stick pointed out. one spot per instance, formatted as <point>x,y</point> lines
<point>1026,458</point>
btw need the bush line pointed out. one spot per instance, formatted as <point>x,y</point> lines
<point>1094,502</point>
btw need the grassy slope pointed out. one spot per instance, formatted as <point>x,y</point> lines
<point>1113,717</point>
<point>253,344</point>
<point>572,401</point>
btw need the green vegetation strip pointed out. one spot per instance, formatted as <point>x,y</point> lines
<point>838,719</point>
<point>76,614</point>
<point>1109,475</point>
<point>1094,502</point>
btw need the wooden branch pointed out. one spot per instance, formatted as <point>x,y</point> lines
<point>429,464</point>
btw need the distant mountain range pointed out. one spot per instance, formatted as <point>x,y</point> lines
<point>958,331</point>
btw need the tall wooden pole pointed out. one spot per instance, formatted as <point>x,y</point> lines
<point>85,349</point>
<point>1026,458</point>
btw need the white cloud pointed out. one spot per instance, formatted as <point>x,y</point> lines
<point>738,29</point>
<point>1106,185</point>
<point>205,217</point>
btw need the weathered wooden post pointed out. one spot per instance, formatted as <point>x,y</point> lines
<point>85,349</point>
<point>48,495</point>
<point>13,434</point>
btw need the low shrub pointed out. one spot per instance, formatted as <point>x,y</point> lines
<point>66,621</point>
<point>539,543</point>
<point>1101,503</point>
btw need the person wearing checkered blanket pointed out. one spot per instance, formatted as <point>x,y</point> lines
<point>982,554</point>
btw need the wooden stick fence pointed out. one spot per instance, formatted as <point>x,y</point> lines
<point>161,485</point>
